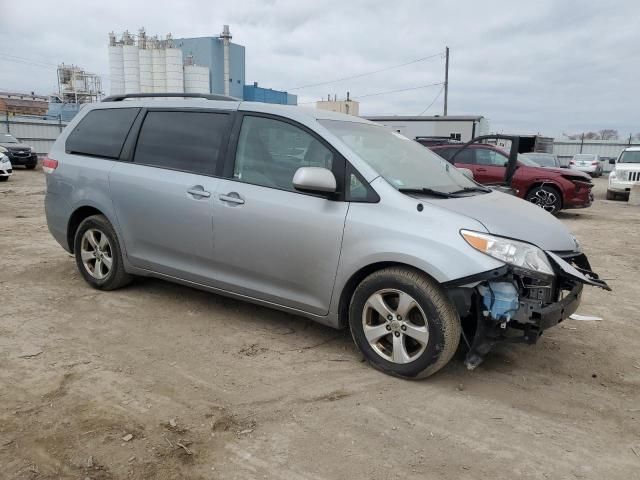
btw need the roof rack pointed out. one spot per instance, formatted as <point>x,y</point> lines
<point>207,96</point>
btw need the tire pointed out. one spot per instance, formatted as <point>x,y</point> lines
<point>4,179</point>
<point>611,195</point>
<point>96,235</point>
<point>31,166</point>
<point>430,317</point>
<point>547,197</point>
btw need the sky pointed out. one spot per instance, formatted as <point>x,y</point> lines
<point>548,67</point>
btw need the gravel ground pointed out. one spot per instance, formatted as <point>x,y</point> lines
<point>162,381</point>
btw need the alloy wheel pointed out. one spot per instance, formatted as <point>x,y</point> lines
<point>545,199</point>
<point>96,253</point>
<point>395,326</point>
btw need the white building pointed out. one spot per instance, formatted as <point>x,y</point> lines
<point>459,127</point>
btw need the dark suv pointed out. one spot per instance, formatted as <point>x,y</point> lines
<point>18,153</point>
<point>553,189</point>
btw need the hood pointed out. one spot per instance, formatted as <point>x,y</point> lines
<point>559,171</point>
<point>628,166</point>
<point>15,146</point>
<point>512,217</point>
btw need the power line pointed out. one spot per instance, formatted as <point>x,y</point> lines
<point>386,92</point>
<point>434,101</point>
<point>439,54</point>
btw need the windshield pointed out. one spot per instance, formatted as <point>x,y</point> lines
<point>542,159</point>
<point>630,157</point>
<point>584,157</point>
<point>6,138</point>
<point>403,163</point>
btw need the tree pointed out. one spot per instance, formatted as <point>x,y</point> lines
<point>608,134</point>
<point>638,136</point>
<point>591,136</point>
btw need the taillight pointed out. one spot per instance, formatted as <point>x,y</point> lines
<point>49,165</point>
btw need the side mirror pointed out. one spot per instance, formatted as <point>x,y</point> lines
<point>314,180</point>
<point>466,172</point>
<point>612,161</point>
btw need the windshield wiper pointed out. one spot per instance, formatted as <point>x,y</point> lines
<point>473,189</point>
<point>428,191</point>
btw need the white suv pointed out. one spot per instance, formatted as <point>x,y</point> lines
<point>5,168</point>
<point>625,174</point>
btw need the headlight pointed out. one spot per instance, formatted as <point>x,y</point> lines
<point>519,254</point>
<point>3,158</point>
<point>3,150</point>
<point>612,174</point>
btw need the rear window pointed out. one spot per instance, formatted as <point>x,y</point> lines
<point>102,132</point>
<point>186,141</point>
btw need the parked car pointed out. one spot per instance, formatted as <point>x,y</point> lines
<point>366,230</point>
<point>549,160</point>
<point>5,168</point>
<point>625,174</point>
<point>18,153</point>
<point>552,189</point>
<point>587,162</point>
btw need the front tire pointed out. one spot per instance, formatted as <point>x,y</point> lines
<point>98,254</point>
<point>611,195</point>
<point>403,323</point>
<point>4,179</point>
<point>546,197</point>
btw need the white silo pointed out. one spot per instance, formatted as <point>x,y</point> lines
<point>159,70</point>
<point>196,79</point>
<point>131,65</point>
<point>146,70</point>
<point>116,69</point>
<point>173,63</point>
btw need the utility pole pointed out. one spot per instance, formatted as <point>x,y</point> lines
<point>446,80</point>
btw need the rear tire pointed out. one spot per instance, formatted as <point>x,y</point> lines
<point>98,254</point>
<point>418,331</point>
<point>611,195</point>
<point>546,197</point>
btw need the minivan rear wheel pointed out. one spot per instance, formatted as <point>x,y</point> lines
<point>98,254</point>
<point>403,323</point>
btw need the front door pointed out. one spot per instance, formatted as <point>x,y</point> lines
<point>490,167</point>
<point>270,241</point>
<point>164,198</point>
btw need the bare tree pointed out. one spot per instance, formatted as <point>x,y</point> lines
<point>591,136</point>
<point>608,134</point>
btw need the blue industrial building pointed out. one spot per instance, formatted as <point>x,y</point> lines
<point>254,93</point>
<point>209,52</point>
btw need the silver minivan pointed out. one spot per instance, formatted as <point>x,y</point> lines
<point>316,213</point>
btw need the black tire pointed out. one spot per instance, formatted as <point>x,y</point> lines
<point>442,323</point>
<point>611,195</point>
<point>4,179</point>
<point>547,197</point>
<point>115,277</point>
<point>31,166</point>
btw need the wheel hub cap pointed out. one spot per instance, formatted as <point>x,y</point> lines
<point>96,253</point>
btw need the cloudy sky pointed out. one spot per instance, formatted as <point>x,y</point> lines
<point>545,66</point>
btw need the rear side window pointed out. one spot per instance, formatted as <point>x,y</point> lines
<point>101,132</point>
<point>186,141</point>
<point>465,156</point>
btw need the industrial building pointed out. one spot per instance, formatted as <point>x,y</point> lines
<point>348,106</point>
<point>12,103</point>
<point>458,127</point>
<point>139,63</point>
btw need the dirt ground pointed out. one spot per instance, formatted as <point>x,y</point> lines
<point>162,381</point>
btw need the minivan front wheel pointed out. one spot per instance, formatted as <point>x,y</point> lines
<point>98,254</point>
<point>403,323</point>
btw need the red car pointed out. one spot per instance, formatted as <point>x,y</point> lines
<point>553,189</point>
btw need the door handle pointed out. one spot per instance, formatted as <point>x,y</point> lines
<point>198,191</point>
<point>232,197</point>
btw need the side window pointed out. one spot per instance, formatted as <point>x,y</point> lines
<point>187,141</point>
<point>445,153</point>
<point>485,156</point>
<point>465,156</point>
<point>101,132</point>
<point>270,151</point>
<point>357,189</point>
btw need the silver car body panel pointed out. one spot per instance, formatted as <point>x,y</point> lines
<point>287,250</point>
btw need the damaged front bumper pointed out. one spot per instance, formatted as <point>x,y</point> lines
<point>540,302</point>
